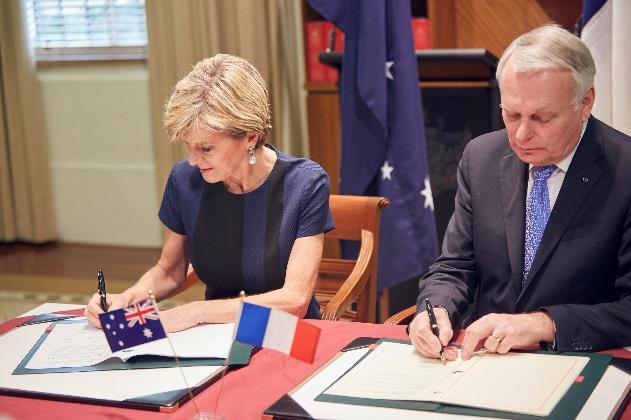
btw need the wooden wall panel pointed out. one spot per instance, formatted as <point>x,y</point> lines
<point>492,25</point>
<point>564,12</point>
<point>323,110</point>
<point>441,23</point>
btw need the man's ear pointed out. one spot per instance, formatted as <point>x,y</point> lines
<point>587,103</point>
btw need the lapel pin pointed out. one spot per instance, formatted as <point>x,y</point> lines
<point>585,179</point>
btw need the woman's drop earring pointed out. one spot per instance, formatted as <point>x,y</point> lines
<point>252,159</point>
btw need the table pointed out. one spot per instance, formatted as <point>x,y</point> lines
<point>245,392</point>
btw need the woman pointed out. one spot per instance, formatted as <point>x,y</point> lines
<point>246,215</point>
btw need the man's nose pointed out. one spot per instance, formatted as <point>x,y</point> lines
<point>524,131</point>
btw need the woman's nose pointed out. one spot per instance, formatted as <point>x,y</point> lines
<point>193,155</point>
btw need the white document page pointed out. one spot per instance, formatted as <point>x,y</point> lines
<point>516,382</point>
<point>395,371</point>
<point>79,344</point>
<point>608,395</point>
<point>71,345</point>
<point>305,396</point>
<point>523,383</point>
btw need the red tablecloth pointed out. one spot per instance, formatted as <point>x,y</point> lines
<point>245,393</point>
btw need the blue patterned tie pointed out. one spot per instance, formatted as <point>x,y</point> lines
<point>537,213</point>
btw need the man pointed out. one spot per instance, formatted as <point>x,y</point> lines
<point>538,249</point>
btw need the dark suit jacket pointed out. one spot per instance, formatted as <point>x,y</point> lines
<point>581,274</point>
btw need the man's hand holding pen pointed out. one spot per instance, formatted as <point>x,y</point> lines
<point>496,333</point>
<point>424,339</point>
<point>432,321</point>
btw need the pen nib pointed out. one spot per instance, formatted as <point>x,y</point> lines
<point>442,358</point>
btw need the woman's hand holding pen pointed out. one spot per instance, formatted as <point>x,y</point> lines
<point>424,340</point>
<point>93,309</point>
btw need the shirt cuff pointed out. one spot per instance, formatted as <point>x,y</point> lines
<point>544,344</point>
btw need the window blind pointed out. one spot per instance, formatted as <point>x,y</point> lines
<point>87,27</point>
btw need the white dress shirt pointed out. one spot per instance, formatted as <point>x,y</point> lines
<point>556,179</point>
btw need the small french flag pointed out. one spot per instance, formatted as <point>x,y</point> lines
<point>277,330</point>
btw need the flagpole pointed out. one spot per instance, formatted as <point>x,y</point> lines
<point>177,359</point>
<point>225,363</point>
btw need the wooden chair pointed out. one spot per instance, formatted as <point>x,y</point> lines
<point>404,316</point>
<point>342,283</point>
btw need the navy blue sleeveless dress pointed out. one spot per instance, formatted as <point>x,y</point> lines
<point>242,241</point>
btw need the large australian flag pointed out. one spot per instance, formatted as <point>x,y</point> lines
<point>132,326</point>
<point>383,135</point>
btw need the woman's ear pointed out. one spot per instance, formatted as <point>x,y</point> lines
<point>252,139</point>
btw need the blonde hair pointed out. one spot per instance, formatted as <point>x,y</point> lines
<point>552,47</point>
<point>225,94</point>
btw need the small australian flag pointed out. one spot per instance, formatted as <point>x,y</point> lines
<point>132,326</point>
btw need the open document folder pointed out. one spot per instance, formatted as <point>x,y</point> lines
<point>524,383</point>
<point>75,345</point>
<point>144,382</point>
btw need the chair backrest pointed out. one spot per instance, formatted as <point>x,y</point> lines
<point>404,316</point>
<point>347,289</point>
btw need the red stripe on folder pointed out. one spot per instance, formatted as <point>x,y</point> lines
<point>11,324</point>
<point>305,341</point>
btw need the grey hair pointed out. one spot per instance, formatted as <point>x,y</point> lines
<point>552,47</point>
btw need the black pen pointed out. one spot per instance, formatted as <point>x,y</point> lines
<point>101,286</point>
<point>432,320</point>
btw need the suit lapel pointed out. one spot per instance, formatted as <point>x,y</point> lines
<point>513,186</point>
<point>581,176</point>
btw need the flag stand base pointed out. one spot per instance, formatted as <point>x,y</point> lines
<point>208,416</point>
